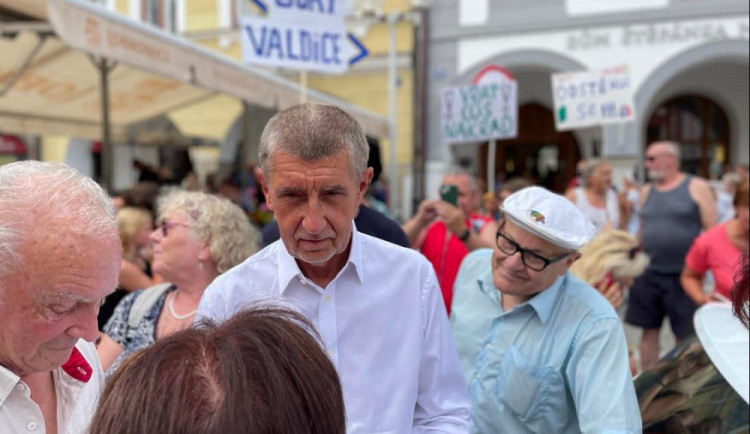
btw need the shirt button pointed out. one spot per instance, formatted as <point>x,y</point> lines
<point>31,426</point>
<point>21,386</point>
<point>327,298</point>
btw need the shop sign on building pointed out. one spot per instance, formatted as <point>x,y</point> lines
<point>590,98</point>
<point>301,35</point>
<point>480,112</point>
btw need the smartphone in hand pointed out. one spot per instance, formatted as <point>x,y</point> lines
<point>449,193</point>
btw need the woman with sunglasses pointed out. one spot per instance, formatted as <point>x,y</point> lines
<point>198,237</point>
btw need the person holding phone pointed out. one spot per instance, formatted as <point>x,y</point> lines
<point>445,230</point>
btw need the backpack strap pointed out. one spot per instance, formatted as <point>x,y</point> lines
<point>144,302</point>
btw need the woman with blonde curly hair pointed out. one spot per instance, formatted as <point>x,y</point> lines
<point>198,237</point>
<point>610,262</point>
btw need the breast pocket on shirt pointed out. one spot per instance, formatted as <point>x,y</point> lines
<point>532,393</point>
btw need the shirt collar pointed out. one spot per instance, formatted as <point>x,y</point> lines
<point>289,269</point>
<point>8,381</point>
<point>542,303</point>
<point>77,367</point>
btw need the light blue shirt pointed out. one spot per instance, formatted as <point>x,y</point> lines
<point>557,363</point>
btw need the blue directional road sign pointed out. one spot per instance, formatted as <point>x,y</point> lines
<point>301,34</point>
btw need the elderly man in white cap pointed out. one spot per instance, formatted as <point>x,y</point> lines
<point>542,351</point>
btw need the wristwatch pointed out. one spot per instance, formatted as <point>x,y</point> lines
<point>464,235</point>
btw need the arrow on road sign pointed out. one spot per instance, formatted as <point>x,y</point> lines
<point>363,52</point>
<point>261,5</point>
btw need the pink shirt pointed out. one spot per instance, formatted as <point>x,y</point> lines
<point>713,251</point>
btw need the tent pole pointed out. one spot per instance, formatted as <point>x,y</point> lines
<point>107,153</point>
<point>491,152</point>
<point>396,208</point>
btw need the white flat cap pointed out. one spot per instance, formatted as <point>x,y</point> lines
<point>549,216</point>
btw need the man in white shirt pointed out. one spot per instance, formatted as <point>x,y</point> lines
<point>59,256</point>
<point>376,306</point>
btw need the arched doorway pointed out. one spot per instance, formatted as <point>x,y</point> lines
<point>701,127</point>
<point>539,153</point>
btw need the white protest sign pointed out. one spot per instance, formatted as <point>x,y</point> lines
<point>589,98</point>
<point>301,34</point>
<point>329,11</point>
<point>479,113</point>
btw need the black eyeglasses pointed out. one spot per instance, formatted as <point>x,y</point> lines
<point>634,251</point>
<point>165,225</point>
<point>530,259</point>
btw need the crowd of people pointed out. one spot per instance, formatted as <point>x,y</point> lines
<point>168,310</point>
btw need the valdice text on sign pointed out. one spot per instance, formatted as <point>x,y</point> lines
<point>295,44</point>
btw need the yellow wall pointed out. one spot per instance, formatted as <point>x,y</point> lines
<point>53,148</point>
<point>122,6</point>
<point>376,40</point>
<point>201,15</point>
<point>370,91</point>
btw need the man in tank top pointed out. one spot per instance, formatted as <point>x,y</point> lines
<point>674,209</point>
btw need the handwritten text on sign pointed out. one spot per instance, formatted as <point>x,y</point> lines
<point>478,113</point>
<point>585,99</point>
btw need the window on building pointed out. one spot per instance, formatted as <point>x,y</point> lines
<point>701,127</point>
<point>154,12</point>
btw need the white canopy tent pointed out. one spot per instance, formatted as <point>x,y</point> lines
<point>86,72</point>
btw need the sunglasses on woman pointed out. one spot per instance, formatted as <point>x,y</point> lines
<point>165,225</point>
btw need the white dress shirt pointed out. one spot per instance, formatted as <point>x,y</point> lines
<point>383,324</point>
<point>78,384</point>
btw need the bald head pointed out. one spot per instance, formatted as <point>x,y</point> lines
<point>662,160</point>
<point>38,198</point>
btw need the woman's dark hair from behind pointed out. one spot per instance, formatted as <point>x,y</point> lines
<point>260,372</point>
<point>741,292</point>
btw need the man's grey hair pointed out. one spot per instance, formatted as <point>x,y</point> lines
<point>312,132</point>
<point>69,200</point>
<point>672,148</point>
<point>457,171</point>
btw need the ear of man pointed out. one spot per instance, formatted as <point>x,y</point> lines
<point>364,182</point>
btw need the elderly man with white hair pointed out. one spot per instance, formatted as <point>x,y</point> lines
<point>542,351</point>
<point>59,256</point>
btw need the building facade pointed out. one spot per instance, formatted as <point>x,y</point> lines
<point>215,24</point>
<point>688,64</point>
